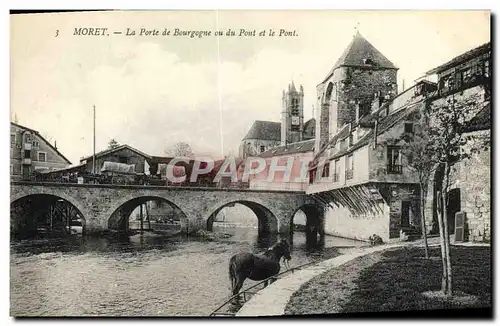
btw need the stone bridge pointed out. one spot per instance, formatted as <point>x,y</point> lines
<point>106,207</point>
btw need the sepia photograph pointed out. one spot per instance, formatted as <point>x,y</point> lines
<point>250,163</point>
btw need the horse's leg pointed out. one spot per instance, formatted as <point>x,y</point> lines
<point>238,285</point>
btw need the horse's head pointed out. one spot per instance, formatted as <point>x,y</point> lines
<point>285,249</point>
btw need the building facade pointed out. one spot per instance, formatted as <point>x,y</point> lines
<point>121,154</point>
<point>467,79</point>
<point>265,135</point>
<point>361,171</point>
<point>30,152</point>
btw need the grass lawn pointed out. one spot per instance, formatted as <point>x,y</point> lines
<point>394,281</point>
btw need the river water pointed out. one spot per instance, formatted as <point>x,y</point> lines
<point>139,275</point>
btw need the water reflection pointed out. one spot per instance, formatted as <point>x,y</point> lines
<point>144,274</point>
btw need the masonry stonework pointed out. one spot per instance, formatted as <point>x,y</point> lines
<point>359,87</point>
<point>473,178</point>
<point>99,203</point>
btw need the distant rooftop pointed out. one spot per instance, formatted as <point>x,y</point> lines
<point>264,130</point>
<point>293,148</point>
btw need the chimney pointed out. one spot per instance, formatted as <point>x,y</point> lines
<point>55,144</point>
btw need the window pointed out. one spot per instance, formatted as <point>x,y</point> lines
<point>445,83</point>
<point>27,154</point>
<point>262,148</point>
<point>36,144</point>
<point>342,144</point>
<point>42,157</point>
<point>326,170</point>
<point>368,61</point>
<point>394,158</point>
<point>349,167</point>
<point>13,139</point>
<point>409,127</point>
<point>466,75</point>
<point>312,176</point>
<point>351,139</point>
<point>336,170</point>
<point>487,68</point>
<point>122,159</point>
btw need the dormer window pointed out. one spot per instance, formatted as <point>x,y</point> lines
<point>368,61</point>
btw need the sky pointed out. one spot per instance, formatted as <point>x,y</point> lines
<point>153,91</point>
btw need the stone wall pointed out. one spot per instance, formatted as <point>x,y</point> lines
<point>360,85</point>
<point>398,193</point>
<point>473,178</point>
<point>341,222</point>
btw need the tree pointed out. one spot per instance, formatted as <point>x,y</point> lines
<point>112,144</point>
<point>180,149</point>
<point>422,161</point>
<point>447,126</point>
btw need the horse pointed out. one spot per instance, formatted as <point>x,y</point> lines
<point>257,267</point>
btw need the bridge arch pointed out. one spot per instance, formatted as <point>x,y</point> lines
<point>267,220</point>
<point>315,219</point>
<point>64,209</point>
<point>120,212</point>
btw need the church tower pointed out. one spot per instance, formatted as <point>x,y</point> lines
<point>360,77</point>
<point>292,115</point>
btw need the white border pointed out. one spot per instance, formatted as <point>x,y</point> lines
<point>185,4</point>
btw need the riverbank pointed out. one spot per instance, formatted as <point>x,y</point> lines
<point>397,279</point>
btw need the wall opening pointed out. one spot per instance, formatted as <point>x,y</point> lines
<point>45,216</point>
<point>307,227</point>
<point>245,221</point>
<point>148,214</point>
<point>452,208</point>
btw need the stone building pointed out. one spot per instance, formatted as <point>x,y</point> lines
<point>362,173</point>
<point>30,152</point>
<point>264,135</point>
<point>349,88</point>
<point>463,78</point>
<point>358,165</point>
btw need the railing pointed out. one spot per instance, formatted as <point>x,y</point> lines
<point>216,312</point>
<point>89,178</point>
<point>394,168</point>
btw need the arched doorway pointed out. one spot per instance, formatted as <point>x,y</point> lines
<point>42,215</point>
<point>148,213</point>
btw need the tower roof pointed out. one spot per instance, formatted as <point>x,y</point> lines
<point>357,52</point>
<point>293,89</point>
